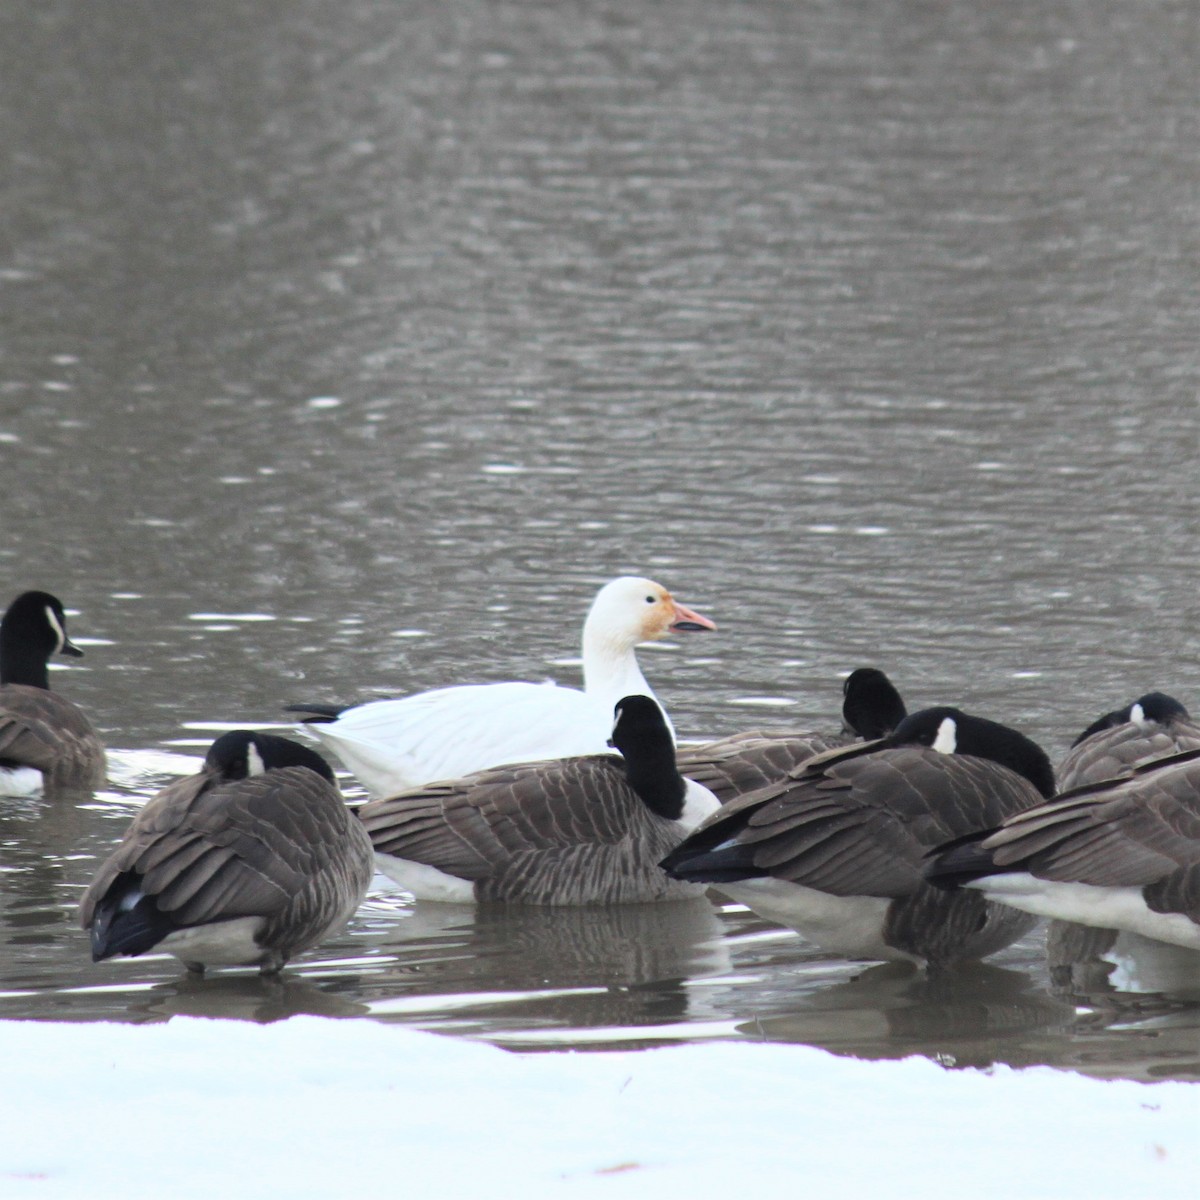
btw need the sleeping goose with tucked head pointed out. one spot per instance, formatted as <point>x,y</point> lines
<point>731,766</point>
<point>46,742</point>
<point>247,863</point>
<point>1153,726</point>
<point>836,851</point>
<point>1119,854</point>
<point>391,745</point>
<point>583,830</point>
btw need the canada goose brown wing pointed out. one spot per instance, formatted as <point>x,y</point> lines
<point>856,822</point>
<point>1143,831</point>
<point>214,851</point>
<point>44,730</point>
<point>1112,753</point>
<point>748,761</point>
<point>466,826</point>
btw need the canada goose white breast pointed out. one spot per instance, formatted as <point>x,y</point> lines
<point>392,745</point>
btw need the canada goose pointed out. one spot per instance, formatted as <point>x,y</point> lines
<point>46,741</point>
<point>1119,854</point>
<point>836,851</point>
<point>585,830</point>
<point>391,745</point>
<point>871,708</point>
<point>1153,726</point>
<point>246,863</point>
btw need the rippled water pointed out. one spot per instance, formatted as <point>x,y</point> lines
<point>345,350</point>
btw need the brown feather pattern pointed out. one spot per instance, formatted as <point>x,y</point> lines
<point>46,731</point>
<point>1142,831</point>
<point>570,831</point>
<point>281,845</point>
<point>745,762</point>
<point>1112,753</point>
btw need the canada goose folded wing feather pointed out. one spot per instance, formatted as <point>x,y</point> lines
<point>859,823</point>
<point>465,826</point>
<point>1143,831</point>
<point>219,850</point>
<point>42,729</point>
<point>1114,752</point>
<point>745,762</point>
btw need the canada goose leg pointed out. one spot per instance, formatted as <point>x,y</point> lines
<point>270,966</point>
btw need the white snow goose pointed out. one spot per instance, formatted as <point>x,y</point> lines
<point>573,831</point>
<point>392,745</point>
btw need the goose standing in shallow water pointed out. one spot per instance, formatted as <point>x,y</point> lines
<point>392,745</point>
<point>585,830</point>
<point>247,863</point>
<point>836,851</point>
<point>729,767</point>
<point>46,741</point>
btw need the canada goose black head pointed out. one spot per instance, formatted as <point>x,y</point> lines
<point>952,731</point>
<point>641,734</point>
<point>33,629</point>
<point>1155,707</point>
<point>242,753</point>
<point>871,705</point>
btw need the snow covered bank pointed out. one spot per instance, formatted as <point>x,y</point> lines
<point>319,1108</point>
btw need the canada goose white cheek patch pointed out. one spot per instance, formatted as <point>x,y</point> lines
<point>1137,715</point>
<point>59,632</point>
<point>947,736</point>
<point>254,762</point>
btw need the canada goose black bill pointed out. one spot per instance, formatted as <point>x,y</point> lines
<point>247,863</point>
<point>836,851</point>
<point>586,830</point>
<point>46,741</point>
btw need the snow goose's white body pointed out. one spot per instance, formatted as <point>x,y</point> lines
<point>392,745</point>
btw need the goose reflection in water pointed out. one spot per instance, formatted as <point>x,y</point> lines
<point>497,968</point>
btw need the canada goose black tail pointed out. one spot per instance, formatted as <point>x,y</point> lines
<point>961,861</point>
<point>127,922</point>
<point>318,714</point>
<point>727,863</point>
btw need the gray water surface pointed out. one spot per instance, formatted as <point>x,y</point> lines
<point>346,349</point>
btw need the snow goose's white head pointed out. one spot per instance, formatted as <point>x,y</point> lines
<point>625,612</point>
<point>630,609</point>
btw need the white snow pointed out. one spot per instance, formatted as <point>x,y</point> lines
<point>312,1107</point>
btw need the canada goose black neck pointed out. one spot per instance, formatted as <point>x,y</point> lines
<point>640,733</point>
<point>242,753</point>
<point>955,732</point>
<point>33,628</point>
<point>872,707</point>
